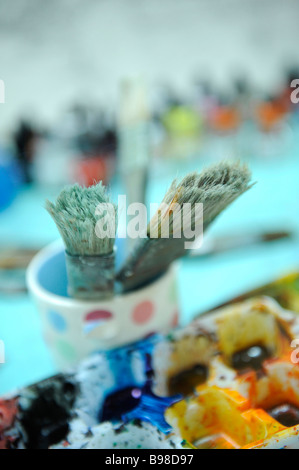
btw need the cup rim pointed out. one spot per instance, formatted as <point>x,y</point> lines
<point>40,292</point>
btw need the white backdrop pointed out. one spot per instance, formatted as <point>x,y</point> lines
<point>52,52</point>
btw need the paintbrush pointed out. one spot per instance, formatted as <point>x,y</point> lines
<point>86,220</point>
<point>215,187</point>
<point>222,244</point>
<point>134,142</point>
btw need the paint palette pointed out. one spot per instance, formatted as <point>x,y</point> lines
<point>238,374</point>
<point>230,379</point>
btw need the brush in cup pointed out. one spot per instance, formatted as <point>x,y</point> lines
<point>88,238</point>
<point>215,187</point>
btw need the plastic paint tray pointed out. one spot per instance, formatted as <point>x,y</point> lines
<point>230,379</point>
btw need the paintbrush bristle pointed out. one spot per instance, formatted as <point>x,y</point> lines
<point>75,214</point>
<point>215,188</point>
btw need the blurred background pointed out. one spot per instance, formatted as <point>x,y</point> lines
<point>135,93</point>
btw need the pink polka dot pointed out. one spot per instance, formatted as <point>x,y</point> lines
<point>143,312</point>
<point>175,320</point>
<point>97,315</point>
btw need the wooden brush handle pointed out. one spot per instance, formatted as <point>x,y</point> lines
<point>150,259</point>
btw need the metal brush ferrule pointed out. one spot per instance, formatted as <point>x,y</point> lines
<point>90,277</point>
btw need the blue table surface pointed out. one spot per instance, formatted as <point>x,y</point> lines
<point>271,204</point>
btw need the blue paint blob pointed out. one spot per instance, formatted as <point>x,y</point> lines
<point>57,321</point>
<point>131,396</point>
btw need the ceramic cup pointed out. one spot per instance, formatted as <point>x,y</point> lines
<point>75,329</point>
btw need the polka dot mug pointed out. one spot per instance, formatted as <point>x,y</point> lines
<point>75,329</point>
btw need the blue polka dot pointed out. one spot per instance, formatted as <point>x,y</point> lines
<point>57,321</point>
